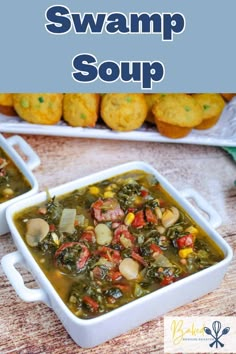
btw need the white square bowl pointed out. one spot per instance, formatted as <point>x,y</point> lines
<point>91,332</point>
<point>25,167</point>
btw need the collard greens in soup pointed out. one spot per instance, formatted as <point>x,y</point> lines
<point>110,243</point>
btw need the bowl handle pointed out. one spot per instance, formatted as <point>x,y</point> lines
<point>214,218</point>
<point>33,160</point>
<point>29,295</point>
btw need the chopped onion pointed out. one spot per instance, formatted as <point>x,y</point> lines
<point>67,221</point>
<point>80,219</point>
<point>162,261</point>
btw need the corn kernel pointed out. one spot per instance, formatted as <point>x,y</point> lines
<point>192,230</point>
<point>89,228</point>
<point>109,194</point>
<point>111,187</point>
<point>94,190</point>
<point>129,219</point>
<point>185,252</point>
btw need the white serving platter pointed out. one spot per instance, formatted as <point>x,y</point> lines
<point>222,134</point>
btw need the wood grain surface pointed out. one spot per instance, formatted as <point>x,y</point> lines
<point>33,328</point>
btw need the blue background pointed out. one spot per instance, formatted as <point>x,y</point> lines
<point>201,59</point>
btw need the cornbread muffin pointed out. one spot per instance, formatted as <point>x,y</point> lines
<point>176,115</point>
<point>123,111</point>
<point>228,96</point>
<point>81,109</point>
<point>6,104</point>
<point>39,108</point>
<point>212,105</point>
<point>151,99</point>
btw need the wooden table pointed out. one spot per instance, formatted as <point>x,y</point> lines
<point>33,328</point>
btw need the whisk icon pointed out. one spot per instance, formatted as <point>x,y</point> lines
<point>216,327</point>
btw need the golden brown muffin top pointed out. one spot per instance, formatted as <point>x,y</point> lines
<point>178,109</point>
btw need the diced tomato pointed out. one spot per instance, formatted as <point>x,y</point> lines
<point>123,287</point>
<point>98,204</point>
<point>116,257</point>
<point>114,275</point>
<point>156,249</point>
<point>185,241</point>
<point>144,193</point>
<point>52,227</point>
<point>88,236</point>
<point>150,216</point>
<point>139,219</point>
<point>91,302</point>
<point>167,280</point>
<point>131,210</point>
<point>138,258</point>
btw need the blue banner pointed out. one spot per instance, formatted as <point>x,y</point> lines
<point>125,46</point>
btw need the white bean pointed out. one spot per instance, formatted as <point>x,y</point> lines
<point>129,268</point>
<point>103,234</point>
<point>36,230</point>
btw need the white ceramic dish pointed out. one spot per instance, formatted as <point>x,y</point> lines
<point>91,332</point>
<point>222,134</point>
<point>25,167</point>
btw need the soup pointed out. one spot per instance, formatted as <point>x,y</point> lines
<point>109,243</point>
<point>12,182</point>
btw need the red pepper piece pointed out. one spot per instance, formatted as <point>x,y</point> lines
<point>139,221</point>
<point>150,216</point>
<point>114,275</point>
<point>144,193</point>
<point>156,249</point>
<point>167,280</point>
<point>185,241</point>
<point>52,227</point>
<point>88,236</point>
<point>91,302</point>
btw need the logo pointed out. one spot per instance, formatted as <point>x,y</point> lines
<point>216,327</point>
<point>199,334</point>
